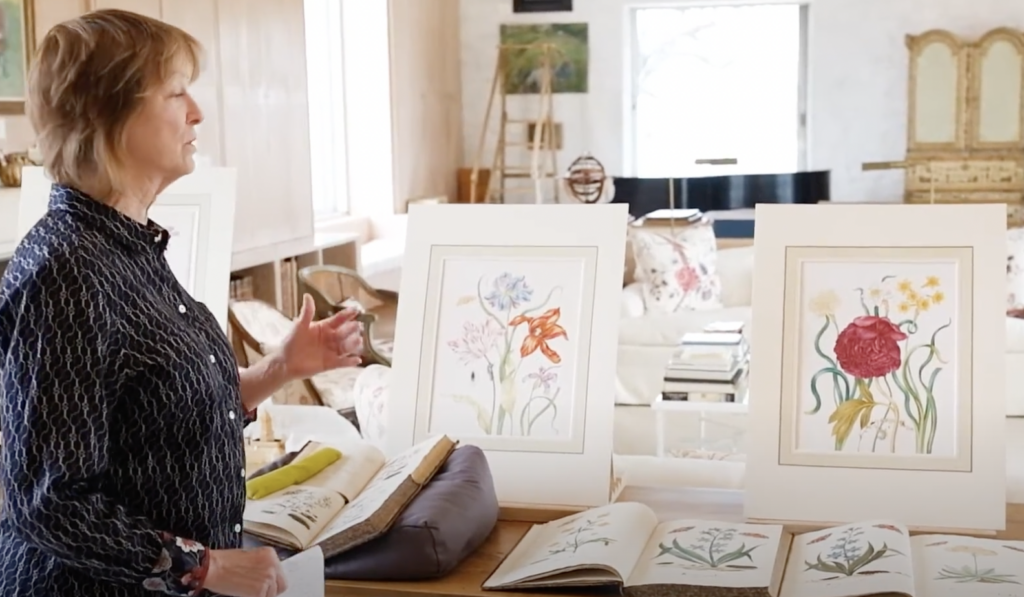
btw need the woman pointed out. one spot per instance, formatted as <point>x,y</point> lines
<point>122,409</point>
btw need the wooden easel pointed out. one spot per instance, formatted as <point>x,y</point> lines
<point>542,142</point>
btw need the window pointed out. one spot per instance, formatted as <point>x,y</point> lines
<point>718,82</point>
<point>325,78</point>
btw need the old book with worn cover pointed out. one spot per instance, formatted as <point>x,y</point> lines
<point>623,545</point>
<point>350,502</point>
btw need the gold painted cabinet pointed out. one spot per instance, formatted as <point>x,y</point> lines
<point>966,118</point>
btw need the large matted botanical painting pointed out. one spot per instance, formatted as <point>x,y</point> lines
<point>877,373</point>
<point>505,346</point>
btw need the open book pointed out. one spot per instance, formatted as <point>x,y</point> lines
<point>350,502</point>
<point>624,545</point>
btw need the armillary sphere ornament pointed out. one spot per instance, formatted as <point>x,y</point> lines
<point>585,179</point>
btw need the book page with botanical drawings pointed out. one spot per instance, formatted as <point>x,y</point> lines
<point>952,565</point>
<point>609,538</point>
<point>712,554</point>
<point>867,558</point>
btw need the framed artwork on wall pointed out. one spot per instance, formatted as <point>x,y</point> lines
<point>541,5</point>
<point>569,56</point>
<point>198,211</point>
<point>513,346</point>
<point>884,376</point>
<point>17,43</point>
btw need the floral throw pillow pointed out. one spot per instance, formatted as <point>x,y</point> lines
<point>677,267</point>
<point>1015,269</point>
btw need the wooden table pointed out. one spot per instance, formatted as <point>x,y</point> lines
<point>668,504</point>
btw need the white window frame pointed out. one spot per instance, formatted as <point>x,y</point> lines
<point>632,68</point>
<point>327,109</point>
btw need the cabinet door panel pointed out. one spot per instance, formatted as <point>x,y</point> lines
<point>937,91</point>
<point>150,8</point>
<point>199,17</point>
<point>51,12</point>
<point>265,119</point>
<point>997,91</point>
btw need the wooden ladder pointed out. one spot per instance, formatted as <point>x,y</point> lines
<point>536,135</point>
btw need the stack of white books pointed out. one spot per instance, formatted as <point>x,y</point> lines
<point>708,367</point>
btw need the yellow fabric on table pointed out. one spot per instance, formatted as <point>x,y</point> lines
<point>291,474</point>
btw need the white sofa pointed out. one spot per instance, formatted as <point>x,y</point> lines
<point>646,341</point>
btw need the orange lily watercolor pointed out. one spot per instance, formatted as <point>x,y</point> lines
<point>542,329</point>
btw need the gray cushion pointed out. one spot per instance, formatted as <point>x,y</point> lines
<point>446,522</point>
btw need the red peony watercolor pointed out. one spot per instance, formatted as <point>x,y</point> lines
<point>869,347</point>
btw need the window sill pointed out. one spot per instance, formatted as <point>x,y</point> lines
<point>343,224</point>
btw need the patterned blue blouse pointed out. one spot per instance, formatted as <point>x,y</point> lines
<point>120,414</point>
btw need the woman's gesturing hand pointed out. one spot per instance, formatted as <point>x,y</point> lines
<point>313,347</point>
<point>245,573</point>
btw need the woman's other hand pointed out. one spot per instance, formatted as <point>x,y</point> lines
<point>313,347</point>
<point>245,573</point>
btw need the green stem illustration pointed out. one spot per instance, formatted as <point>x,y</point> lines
<point>526,422</point>
<point>494,395</point>
<point>926,419</point>
<point>839,394</point>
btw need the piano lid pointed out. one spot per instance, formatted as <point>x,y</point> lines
<point>719,193</point>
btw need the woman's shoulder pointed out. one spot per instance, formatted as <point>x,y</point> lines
<point>49,266</point>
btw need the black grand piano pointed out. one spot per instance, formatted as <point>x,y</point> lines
<point>719,193</point>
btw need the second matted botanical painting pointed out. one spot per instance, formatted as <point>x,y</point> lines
<point>877,363</point>
<point>505,346</point>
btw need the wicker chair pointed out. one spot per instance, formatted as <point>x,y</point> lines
<point>335,288</point>
<point>257,328</point>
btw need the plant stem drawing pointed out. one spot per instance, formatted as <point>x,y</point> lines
<point>973,572</point>
<point>517,341</point>
<point>883,367</point>
<point>575,536</point>
<point>848,556</point>
<point>713,549</point>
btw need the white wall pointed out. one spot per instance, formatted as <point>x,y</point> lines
<point>857,77</point>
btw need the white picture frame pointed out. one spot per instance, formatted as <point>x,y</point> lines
<point>199,212</point>
<point>478,282</point>
<point>879,321</point>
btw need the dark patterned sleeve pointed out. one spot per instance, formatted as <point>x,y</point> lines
<point>58,382</point>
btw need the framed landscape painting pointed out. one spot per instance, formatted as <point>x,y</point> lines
<point>564,45</point>
<point>878,365</point>
<point>512,345</point>
<point>198,212</point>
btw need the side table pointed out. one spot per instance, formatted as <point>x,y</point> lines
<point>702,409</point>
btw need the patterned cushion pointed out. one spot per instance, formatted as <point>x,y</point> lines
<point>677,267</point>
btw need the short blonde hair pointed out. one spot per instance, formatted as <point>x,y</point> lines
<point>88,77</point>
